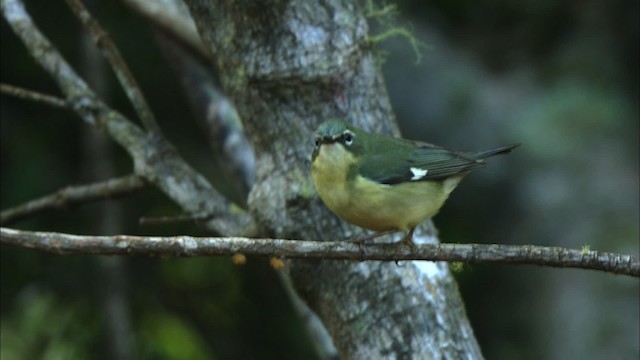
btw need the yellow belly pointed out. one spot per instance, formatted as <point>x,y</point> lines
<point>372,205</point>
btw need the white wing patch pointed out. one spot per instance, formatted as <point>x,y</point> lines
<point>418,173</point>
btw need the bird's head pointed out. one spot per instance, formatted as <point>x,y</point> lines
<point>339,136</point>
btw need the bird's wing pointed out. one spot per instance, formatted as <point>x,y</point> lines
<point>442,163</point>
<point>425,162</point>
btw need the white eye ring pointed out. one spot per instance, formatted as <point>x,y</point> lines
<point>347,137</point>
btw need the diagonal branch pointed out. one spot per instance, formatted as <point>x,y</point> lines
<point>174,19</point>
<point>78,94</point>
<point>188,246</point>
<point>103,41</point>
<point>216,115</point>
<point>33,96</point>
<point>74,195</point>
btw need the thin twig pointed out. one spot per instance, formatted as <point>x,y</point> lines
<point>31,95</point>
<point>74,195</point>
<point>188,246</point>
<point>162,220</point>
<point>103,41</point>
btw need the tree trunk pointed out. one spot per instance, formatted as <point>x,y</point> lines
<point>289,65</point>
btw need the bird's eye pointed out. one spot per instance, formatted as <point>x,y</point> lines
<point>318,142</point>
<point>347,138</point>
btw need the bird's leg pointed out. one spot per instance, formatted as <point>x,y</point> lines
<point>408,239</point>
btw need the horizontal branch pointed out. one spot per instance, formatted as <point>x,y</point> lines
<point>73,195</point>
<point>181,246</point>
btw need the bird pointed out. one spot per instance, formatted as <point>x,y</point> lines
<point>384,183</point>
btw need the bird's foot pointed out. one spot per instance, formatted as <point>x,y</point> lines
<point>362,241</point>
<point>407,240</point>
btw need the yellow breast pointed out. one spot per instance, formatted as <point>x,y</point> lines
<point>369,204</point>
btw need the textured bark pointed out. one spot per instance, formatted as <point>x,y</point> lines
<point>288,65</point>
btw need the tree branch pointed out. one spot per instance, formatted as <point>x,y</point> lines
<point>33,96</point>
<point>216,115</point>
<point>188,246</point>
<point>103,41</point>
<point>74,195</point>
<point>173,18</point>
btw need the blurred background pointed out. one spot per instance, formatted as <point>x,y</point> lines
<point>559,77</point>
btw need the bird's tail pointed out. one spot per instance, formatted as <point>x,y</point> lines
<point>491,152</point>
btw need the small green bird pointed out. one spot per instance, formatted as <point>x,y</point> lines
<point>383,183</point>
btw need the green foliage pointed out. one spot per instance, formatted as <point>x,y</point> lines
<point>167,336</point>
<point>571,107</point>
<point>43,326</point>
